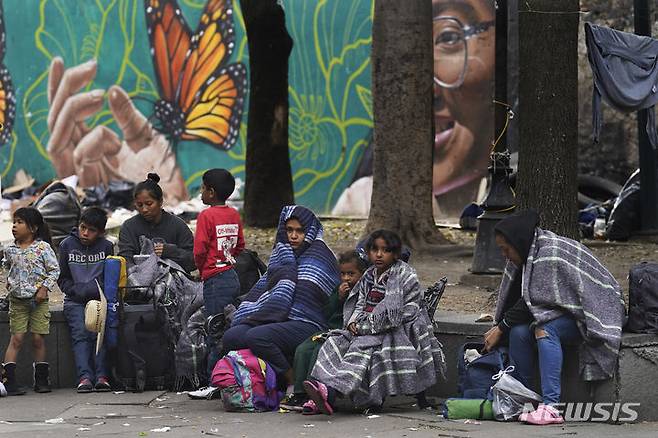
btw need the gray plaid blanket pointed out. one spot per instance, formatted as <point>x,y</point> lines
<point>562,277</point>
<point>182,300</point>
<point>400,355</point>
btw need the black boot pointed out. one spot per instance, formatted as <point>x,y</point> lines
<point>41,378</point>
<point>9,379</point>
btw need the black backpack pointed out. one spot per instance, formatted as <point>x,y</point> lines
<point>144,358</point>
<point>60,208</point>
<point>643,298</point>
<point>249,268</point>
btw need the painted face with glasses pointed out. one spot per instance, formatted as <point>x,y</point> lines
<point>464,48</point>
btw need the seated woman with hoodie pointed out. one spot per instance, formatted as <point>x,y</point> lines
<point>554,292</point>
<point>286,306</point>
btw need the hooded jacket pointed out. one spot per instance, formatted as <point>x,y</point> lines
<point>81,266</point>
<point>519,231</point>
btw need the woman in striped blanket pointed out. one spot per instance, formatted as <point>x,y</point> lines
<point>387,346</point>
<point>285,307</point>
<point>554,292</point>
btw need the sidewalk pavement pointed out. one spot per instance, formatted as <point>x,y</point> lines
<point>64,413</point>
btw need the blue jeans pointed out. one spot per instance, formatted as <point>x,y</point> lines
<point>218,291</point>
<point>275,343</point>
<point>523,348</point>
<point>87,363</point>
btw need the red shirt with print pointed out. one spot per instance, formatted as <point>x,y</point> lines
<point>218,240</point>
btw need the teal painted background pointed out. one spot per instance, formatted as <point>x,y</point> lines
<point>329,94</point>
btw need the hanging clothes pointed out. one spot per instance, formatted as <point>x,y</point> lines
<point>625,74</point>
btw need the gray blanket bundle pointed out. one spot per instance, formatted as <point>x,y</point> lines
<point>182,299</point>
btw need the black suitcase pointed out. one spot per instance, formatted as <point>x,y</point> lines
<point>144,358</point>
<point>643,298</point>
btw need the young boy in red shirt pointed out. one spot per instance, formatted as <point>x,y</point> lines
<point>217,242</point>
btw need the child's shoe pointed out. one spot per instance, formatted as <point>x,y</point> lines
<point>319,393</point>
<point>9,380</point>
<point>310,408</point>
<point>41,377</point>
<point>102,384</point>
<point>85,386</point>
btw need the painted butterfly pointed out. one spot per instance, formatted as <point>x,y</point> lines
<point>201,94</point>
<point>7,96</point>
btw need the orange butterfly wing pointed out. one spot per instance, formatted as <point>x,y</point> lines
<point>169,36</point>
<point>192,71</point>
<point>7,96</point>
<point>217,113</point>
<point>211,92</point>
<point>212,45</point>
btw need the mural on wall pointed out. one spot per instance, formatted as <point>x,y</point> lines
<point>106,91</point>
<point>464,60</point>
<point>201,97</point>
<point>113,89</point>
<point>7,97</point>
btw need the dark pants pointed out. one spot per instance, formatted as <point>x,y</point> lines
<point>274,343</point>
<point>218,291</point>
<point>305,356</point>
<point>88,364</point>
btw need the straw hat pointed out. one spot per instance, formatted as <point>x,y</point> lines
<point>95,317</point>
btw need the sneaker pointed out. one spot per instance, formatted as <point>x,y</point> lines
<point>293,402</point>
<point>102,385</point>
<point>543,415</point>
<point>319,393</point>
<point>85,386</point>
<point>205,393</point>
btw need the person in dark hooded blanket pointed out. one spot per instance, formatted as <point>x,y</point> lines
<point>286,306</point>
<point>554,292</point>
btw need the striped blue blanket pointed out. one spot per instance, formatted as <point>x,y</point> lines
<point>297,283</point>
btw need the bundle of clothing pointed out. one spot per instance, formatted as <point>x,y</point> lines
<point>182,300</point>
<point>625,74</point>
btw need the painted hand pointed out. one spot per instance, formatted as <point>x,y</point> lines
<point>97,155</point>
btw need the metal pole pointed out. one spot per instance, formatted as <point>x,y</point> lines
<point>499,203</point>
<point>648,158</point>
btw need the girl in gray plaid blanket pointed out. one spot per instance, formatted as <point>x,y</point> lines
<point>387,346</point>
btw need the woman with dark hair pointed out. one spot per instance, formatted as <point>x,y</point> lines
<point>171,236</point>
<point>286,306</point>
<point>554,292</point>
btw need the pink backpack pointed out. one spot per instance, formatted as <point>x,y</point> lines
<point>246,383</point>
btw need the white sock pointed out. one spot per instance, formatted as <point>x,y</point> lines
<point>290,390</point>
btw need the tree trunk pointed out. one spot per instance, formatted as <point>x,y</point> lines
<point>548,112</point>
<point>267,167</point>
<point>402,69</point>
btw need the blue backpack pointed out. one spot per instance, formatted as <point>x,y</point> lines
<point>475,377</point>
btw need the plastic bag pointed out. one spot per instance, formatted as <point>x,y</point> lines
<point>511,397</point>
